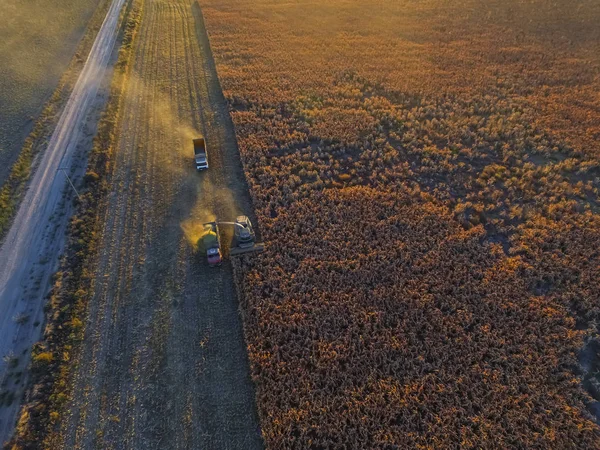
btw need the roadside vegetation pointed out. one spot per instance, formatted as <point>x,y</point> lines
<point>53,356</point>
<point>426,178</point>
<point>24,81</point>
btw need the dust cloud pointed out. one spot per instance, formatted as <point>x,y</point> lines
<point>203,211</point>
<point>193,230</point>
<point>170,121</point>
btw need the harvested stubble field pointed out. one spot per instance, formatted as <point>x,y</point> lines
<point>163,362</point>
<point>426,175</point>
<point>37,40</point>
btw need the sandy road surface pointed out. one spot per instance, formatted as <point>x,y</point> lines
<point>163,364</point>
<point>29,253</point>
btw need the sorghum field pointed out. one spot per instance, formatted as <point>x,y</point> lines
<point>426,177</point>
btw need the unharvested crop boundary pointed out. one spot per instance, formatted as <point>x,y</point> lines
<point>49,387</point>
<point>14,187</point>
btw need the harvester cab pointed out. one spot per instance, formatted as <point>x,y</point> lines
<point>244,238</point>
<point>244,233</point>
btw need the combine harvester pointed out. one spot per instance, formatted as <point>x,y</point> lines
<point>244,240</point>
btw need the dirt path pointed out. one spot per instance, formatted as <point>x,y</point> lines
<point>29,254</point>
<point>163,364</point>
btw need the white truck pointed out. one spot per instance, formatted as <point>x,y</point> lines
<point>200,154</point>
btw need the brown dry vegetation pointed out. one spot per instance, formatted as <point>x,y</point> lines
<point>38,39</point>
<point>27,75</point>
<point>426,175</point>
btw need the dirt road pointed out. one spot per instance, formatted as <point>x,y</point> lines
<point>163,364</point>
<point>29,254</point>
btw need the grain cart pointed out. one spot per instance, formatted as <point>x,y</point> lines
<point>210,242</point>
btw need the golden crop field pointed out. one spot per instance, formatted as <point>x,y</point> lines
<point>426,177</point>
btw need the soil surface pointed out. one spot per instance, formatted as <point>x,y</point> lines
<point>163,364</point>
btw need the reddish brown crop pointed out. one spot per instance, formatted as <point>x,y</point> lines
<point>426,178</point>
